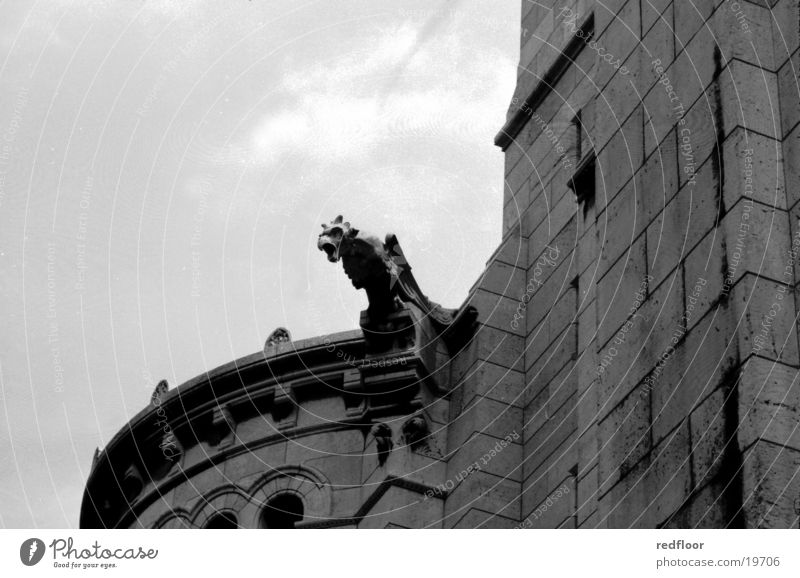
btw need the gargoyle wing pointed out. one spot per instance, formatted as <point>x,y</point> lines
<point>407,287</point>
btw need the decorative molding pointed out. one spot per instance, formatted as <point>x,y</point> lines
<point>177,518</point>
<point>228,498</point>
<point>546,84</point>
<point>227,396</point>
<point>309,484</point>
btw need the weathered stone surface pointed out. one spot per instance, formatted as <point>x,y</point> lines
<point>494,345</point>
<point>254,463</point>
<point>619,160</point>
<point>558,231</point>
<point>771,486</point>
<point>606,14</point>
<point>486,453</point>
<point>693,71</point>
<point>703,277</point>
<point>656,183</point>
<point>486,416</point>
<point>497,311</point>
<point>647,344</point>
<point>654,490</point>
<point>587,496</point>
<point>549,443</point>
<point>624,438</point>
<point>322,444</point>
<point>492,382</point>
<point>766,323</point>
<point>619,38</point>
<point>757,240</point>
<point>681,225</point>
<point>404,508</point>
<point>785,35</point>
<point>698,139</point>
<point>756,93</point>
<point>754,45</point>
<point>689,19</point>
<point>760,159</point>
<point>556,509</point>
<point>787,84</point>
<point>659,119</point>
<point>711,437</point>
<point>502,279</point>
<point>769,403</point>
<point>658,44</point>
<point>791,165</point>
<point>616,291</point>
<point>656,11</point>
<point>704,510</point>
<point>560,352</point>
<point>484,491</point>
<point>694,371</point>
<point>626,212</point>
<point>480,519</point>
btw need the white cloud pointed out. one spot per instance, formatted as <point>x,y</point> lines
<point>345,108</point>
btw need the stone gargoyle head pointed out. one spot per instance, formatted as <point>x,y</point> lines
<point>330,240</point>
<point>380,268</point>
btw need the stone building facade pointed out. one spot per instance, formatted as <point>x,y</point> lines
<point>634,359</point>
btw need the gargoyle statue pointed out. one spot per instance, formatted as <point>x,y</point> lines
<point>381,269</point>
<point>383,441</point>
<point>416,432</point>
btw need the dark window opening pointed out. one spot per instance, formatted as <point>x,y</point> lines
<point>222,521</point>
<point>582,181</point>
<point>577,134</point>
<point>575,286</point>
<point>282,512</point>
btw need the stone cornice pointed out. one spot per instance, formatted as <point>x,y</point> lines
<point>546,84</point>
<point>212,403</point>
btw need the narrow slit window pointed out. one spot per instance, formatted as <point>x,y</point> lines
<point>577,132</point>
<point>582,181</point>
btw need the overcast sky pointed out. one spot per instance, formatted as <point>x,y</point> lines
<point>164,170</point>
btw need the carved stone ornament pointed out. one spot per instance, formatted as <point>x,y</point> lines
<point>416,432</point>
<point>223,425</point>
<point>159,392</point>
<point>381,269</point>
<point>280,335</point>
<point>383,441</point>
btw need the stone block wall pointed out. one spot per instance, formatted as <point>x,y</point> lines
<point>484,434</point>
<point>658,343</point>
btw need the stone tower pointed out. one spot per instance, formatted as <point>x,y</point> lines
<point>650,235</point>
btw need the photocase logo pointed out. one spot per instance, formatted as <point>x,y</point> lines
<point>31,551</point>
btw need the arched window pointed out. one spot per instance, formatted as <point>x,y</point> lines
<point>222,521</point>
<point>283,511</point>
